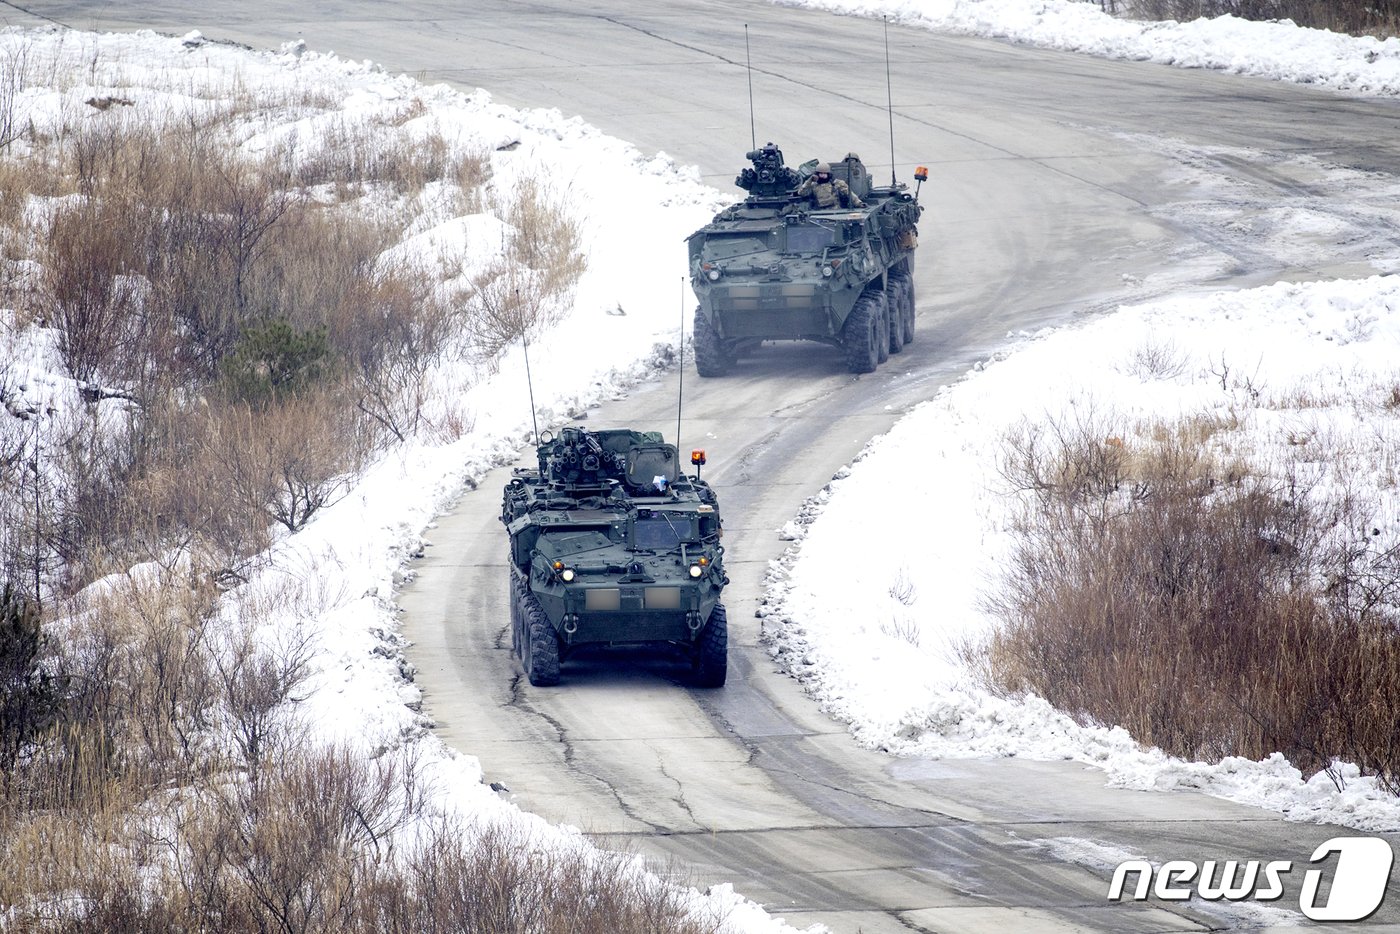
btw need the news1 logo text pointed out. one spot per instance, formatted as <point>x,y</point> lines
<point>1358,879</point>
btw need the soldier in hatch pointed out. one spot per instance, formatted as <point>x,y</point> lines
<point>828,192</point>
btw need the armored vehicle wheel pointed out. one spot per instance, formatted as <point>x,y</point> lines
<point>712,357</point>
<point>894,310</point>
<point>516,617</point>
<point>860,333</point>
<point>541,645</point>
<point>906,307</point>
<point>712,651</point>
<point>882,344</point>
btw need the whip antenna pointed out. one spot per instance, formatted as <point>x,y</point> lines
<point>525,342</point>
<point>889,97</point>
<point>680,376</point>
<point>748,66</point>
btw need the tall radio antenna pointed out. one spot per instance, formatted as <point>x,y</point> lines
<point>680,372</point>
<point>748,66</point>
<point>525,343</point>
<point>889,97</point>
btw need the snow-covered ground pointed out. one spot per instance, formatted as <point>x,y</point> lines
<point>1306,372</point>
<point>335,580</point>
<point>1277,50</point>
<point>344,566</point>
<point>874,638</point>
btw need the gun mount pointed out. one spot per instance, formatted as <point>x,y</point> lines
<point>769,177</point>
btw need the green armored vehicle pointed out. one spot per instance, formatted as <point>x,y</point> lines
<point>611,543</point>
<point>776,266</point>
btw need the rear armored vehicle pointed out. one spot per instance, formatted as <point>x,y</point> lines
<point>785,264</point>
<point>611,543</point>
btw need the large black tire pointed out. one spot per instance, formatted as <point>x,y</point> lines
<point>894,310</point>
<point>907,308</point>
<point>541,645</point>
<point>712,357</point>
<point>711,661</point>
<point>882,341</point>
<point>517,617</point>
<point>860,333</point>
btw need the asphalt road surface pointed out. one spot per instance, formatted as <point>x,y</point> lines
<point>1061,185</point>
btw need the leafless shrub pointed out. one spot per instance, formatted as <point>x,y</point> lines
<point>178,507</point>
<point>903,589</point>
<point>291,458</point>
<point>1158,360</point>
<point>249,204</point>
<point>1078,464</point>
<point>445,418</point>
<point>29,694</point>
<point>393,329</point>
<point>307,838</point>
<point>131,717</point>
<point>83,466</point>
<point>21,492</point>
<point>506,303</point>
<point>92,299</point>
<point>349,156</point>
<point>496,878</point>
<point>903,629</point>
<point>1193,610</point>
<point>472,175</point>
<point>255,683</point>
<point>543,237</point>
<point>147,637</point>
<point>14,74</point>
<point>1347,16</point>
<point>525,290</point>
<point>1390,396</point>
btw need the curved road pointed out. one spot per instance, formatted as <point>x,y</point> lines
<point>1061,185</point>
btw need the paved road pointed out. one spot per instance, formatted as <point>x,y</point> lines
<point>1061,186</point>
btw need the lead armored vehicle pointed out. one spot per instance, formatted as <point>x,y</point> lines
<point>776,267</point>
<point>611,543</point>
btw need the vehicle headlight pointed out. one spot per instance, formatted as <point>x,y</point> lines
<point>713,274</point>
<point>567,574</point>
<point>696,570</point>
<point>827,272</point>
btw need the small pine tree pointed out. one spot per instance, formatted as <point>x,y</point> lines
<point>273,359</point>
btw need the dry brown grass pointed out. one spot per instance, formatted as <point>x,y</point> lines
<point>1354,17</point>
<point>167,254</point>
<point>1209,611</point>
<point>163,783</point>
<point>348,157</point>
<point>14,76</point>
<point>542,261</point>
<point>170,790</point>
<point>291,458</point>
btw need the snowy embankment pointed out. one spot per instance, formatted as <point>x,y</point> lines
<point>873,633</point>
<point>853,645</point>
<point>1277,50</point>
<point>334,581</point>
<point>1305,373</point>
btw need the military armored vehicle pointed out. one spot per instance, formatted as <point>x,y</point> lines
<point>611,543</point>
<point>776,267</point>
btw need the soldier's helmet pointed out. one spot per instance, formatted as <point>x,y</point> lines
<point>822,169</point>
